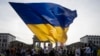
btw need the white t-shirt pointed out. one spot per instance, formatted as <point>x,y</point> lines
<point>87,50</point>
<point>77,52</point>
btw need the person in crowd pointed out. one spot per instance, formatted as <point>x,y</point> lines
<point>82,51</point>
<point>18,51</point>
<point>64,52</point>
<point>56,51</point>
<point>69,52</point>
<point>49,47</point>
<point>45,51</point>
<point>98,52</point>
<point>28,52</point>
<point>94,51</point>
<point>52,53</point>
<point>87,51</point>
<point>77,52</point>
<point>23,52</point>
<point>13,51</point>
<point>60,51</point>
<point>7,52</point>
<point>50,50</point>
<point>41,52</point>
<point>32,52</point>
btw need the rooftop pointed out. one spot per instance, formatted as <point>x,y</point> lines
<point>90,36</point>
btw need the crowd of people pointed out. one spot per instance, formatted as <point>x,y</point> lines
<point>49,51</point>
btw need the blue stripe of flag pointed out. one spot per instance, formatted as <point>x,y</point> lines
<point>44,13</point>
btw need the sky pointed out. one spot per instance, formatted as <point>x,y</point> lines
<point>86,23</point>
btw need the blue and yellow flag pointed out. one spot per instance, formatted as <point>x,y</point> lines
<point>48,21</point>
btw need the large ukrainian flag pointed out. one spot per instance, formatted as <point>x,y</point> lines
<point>47,21</point>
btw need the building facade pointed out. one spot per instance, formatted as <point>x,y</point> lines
<point>76,45</point>
<point>19,44</point>
<point>5,39</point>
<point>94,39</point>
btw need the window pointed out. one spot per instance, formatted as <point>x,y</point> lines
<point>2,45</point>
<point>97,42</point>
<point>5,45</point>
<point>4,40</point>
<point>94,42</point>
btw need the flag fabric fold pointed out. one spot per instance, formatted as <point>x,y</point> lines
<point>48,21</point>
